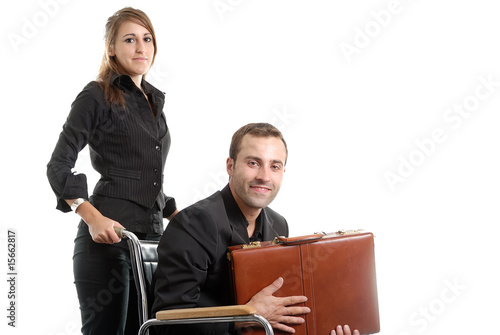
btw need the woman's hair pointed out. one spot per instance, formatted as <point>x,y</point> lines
<point>109,65</point>
<point>254,129</point>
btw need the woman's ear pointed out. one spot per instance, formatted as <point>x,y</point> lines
<point>111,51</point>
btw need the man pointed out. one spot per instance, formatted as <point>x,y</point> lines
<point>192,266</point>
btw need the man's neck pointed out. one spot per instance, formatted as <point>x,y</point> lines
<point>250,213</point>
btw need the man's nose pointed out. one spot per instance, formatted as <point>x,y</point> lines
<point>264,174</point>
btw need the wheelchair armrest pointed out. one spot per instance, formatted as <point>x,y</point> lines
<point>204,312</point>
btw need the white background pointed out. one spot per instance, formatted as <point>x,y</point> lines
<point>353,85</point>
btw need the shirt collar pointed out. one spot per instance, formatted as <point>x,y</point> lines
<point>125,81</point>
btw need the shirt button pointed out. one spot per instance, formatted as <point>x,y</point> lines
<point>157,148</point>
<point>156,171</point>
<point>155,184</point>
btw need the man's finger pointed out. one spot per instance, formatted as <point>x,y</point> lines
<point>291,320</point>
<point>297,310</point>
<point>273,287</point>
<point>283,328</point>
<point>293,300</point>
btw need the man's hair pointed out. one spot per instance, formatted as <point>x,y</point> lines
<point>254,129</point>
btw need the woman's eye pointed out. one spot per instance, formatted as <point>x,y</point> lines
<point>148,39</point>
<point>129,40</point>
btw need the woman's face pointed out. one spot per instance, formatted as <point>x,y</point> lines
<point>133,49</point>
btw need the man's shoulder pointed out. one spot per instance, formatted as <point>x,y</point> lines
<point>276,221</point>
<point>210,207</point>
<point>271,213</point>
<point>209,203</point>
<point>203,220</point>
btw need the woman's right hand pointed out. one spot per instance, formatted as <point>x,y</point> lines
<point>101,228</point>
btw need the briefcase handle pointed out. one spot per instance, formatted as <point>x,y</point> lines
<point>299,239</point>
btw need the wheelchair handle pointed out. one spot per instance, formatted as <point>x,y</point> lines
<point>119,232</point>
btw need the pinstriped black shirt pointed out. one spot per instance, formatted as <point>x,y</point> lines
<point>128,147</point>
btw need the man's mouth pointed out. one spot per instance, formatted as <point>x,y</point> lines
<point>260,188</point>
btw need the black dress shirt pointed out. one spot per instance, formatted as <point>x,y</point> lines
<point>192,265</point>
<point>128,147</point>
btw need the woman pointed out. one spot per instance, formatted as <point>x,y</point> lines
<point>120,116</point>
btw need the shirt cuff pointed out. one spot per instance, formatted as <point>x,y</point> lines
<point>75,187</point>
<point>170,207</point>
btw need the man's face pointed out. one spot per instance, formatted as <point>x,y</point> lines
<point>257,173</point>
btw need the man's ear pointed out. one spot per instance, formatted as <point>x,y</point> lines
<point>230,166</point>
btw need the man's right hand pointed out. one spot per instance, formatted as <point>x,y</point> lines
<point>279,310</point>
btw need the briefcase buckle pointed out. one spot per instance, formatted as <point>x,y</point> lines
<point>348,232</point>
<point>254,244</point>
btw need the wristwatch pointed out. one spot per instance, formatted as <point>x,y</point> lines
<point>77,203</point>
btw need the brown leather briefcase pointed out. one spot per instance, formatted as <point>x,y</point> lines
<point>335,271</point>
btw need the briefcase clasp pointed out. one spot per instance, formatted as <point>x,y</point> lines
<point>254,244</point>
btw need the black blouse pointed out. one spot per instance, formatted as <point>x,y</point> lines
<point>128,147</point>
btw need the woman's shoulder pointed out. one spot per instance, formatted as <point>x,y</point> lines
<point>94,87</point>
<point>93,90</point>
<point>152,89</point>
<point>91,97</point>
